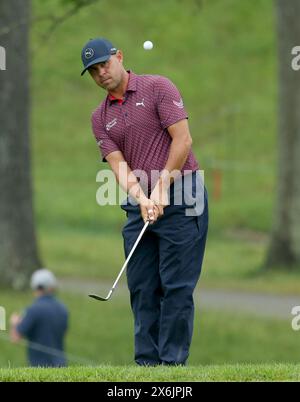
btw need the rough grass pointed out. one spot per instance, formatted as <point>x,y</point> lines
<point>242,372</point>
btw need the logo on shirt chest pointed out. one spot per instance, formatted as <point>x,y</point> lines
<point>111,124</point>
<point>140,103</point>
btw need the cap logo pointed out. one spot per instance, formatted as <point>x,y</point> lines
<point>89,53</point>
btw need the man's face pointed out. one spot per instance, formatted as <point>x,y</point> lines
<point>108,75</point>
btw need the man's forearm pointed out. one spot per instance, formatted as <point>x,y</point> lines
<point>179,152</point>
<point>128,181</point>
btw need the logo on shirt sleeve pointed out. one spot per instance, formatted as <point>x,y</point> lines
<point>110,124</point>
<point>179,104</point>
<point>100,142</point>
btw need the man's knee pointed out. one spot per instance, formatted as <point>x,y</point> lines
<point>179,296</point>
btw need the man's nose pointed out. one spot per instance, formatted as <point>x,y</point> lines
<point>101,71</point>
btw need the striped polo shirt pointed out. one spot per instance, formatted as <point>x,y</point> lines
<point>137,124</point>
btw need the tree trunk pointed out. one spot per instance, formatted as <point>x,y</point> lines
<point>18,251</point>
<point>284,249</point>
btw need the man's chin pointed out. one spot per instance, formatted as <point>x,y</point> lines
<point>111,86</point>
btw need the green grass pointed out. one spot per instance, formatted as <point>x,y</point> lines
<point>233,260</point>
<point>102,334</point>
<point>243,372</point>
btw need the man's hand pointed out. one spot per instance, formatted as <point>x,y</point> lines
<point>15,319</point>
<point>149,211</point>
<point>159,196</point>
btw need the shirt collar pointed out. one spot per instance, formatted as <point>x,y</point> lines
<point>132,81</point>
<point>131,87</point>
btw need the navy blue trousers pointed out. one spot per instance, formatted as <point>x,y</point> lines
<point>162,275</point>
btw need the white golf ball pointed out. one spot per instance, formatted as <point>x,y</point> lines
<point>148,45</point>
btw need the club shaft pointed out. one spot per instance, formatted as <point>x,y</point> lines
<point>130,254</point>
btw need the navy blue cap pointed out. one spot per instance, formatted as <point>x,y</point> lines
<point>96,51</point>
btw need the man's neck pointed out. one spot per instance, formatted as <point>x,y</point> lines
<point>119,92</point>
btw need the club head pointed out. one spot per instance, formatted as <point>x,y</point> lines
<point>98,297</point>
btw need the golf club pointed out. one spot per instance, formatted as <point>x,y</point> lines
<point>123,268</point>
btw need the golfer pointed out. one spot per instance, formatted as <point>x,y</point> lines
<point>44,323</point>
<point>142,131</point>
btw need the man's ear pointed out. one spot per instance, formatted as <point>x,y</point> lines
<point>119,55</point>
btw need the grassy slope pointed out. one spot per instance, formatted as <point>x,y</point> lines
<point>278,372</point>
<point>220,72</point>
<point>225,71</point>
<point>222,57</point>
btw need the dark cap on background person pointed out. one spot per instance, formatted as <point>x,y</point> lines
<point>96,51</point>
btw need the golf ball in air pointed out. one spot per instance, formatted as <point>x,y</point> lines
<point>148,45</point>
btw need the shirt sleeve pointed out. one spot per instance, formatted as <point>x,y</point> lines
<point>27,324</point>
<point>105,143</point>
<point>169,102</point>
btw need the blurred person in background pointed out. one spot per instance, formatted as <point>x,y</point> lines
<point>44,323</point>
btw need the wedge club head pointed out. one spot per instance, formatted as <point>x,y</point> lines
<point>96,297</point>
